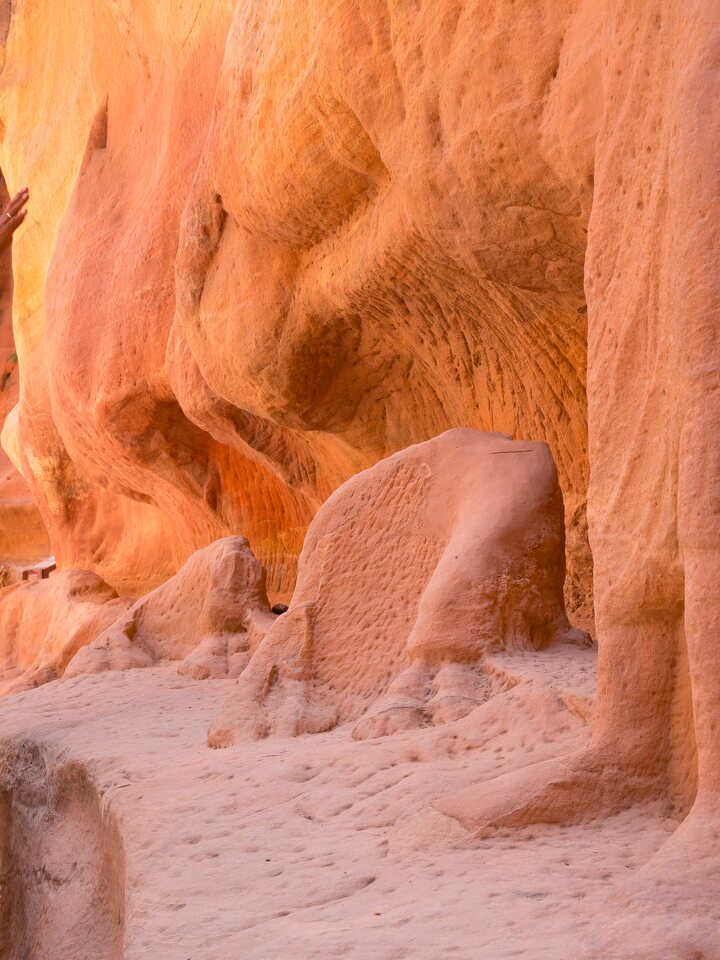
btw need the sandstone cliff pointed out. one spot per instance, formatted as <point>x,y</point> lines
<point>274,243</point>
<point>22,533</point>
<point>259,278</point>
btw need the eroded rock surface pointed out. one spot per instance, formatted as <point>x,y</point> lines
<point>411,572</point>
<point>62,879</point>
<point>23,536</point>
<point>44,623</point>
<point>273,243</point>
<point>393,265</point>
<point>205,617</point>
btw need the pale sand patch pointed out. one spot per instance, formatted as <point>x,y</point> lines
<point>325,847</point>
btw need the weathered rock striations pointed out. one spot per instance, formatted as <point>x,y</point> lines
<point>337,294</point>
<point>273,243</point>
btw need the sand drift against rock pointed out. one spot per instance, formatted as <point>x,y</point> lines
<point>358,364</point>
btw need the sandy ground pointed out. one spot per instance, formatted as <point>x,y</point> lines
<point>324,847</point>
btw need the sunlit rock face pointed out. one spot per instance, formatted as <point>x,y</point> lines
<point>279,243</point>
<point>23,536</point>
<point>272,243</point>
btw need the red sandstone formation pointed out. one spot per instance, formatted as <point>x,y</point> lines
<point>44,623</point>
<point>204,617</point>
<point>22,534</point>
<point>410,573</point>
<point>160,417</point>
<point>273,243</point>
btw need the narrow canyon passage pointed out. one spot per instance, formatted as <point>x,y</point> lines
<point>360,480</point>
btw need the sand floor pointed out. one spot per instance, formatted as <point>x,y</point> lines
<point>321,846</point>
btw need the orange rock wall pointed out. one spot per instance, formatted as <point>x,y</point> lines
<point>272,242</point>
<point>269,245</point>
<point>23,536</point>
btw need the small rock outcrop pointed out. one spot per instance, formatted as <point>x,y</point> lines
<point>410,572</point>
<point>203,617</point>
<point>44,623</point>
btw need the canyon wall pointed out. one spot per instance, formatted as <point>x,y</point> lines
<point>23,536</point>
<point>272,243</point>
<point>254,266</point>
<point>269,245</point>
